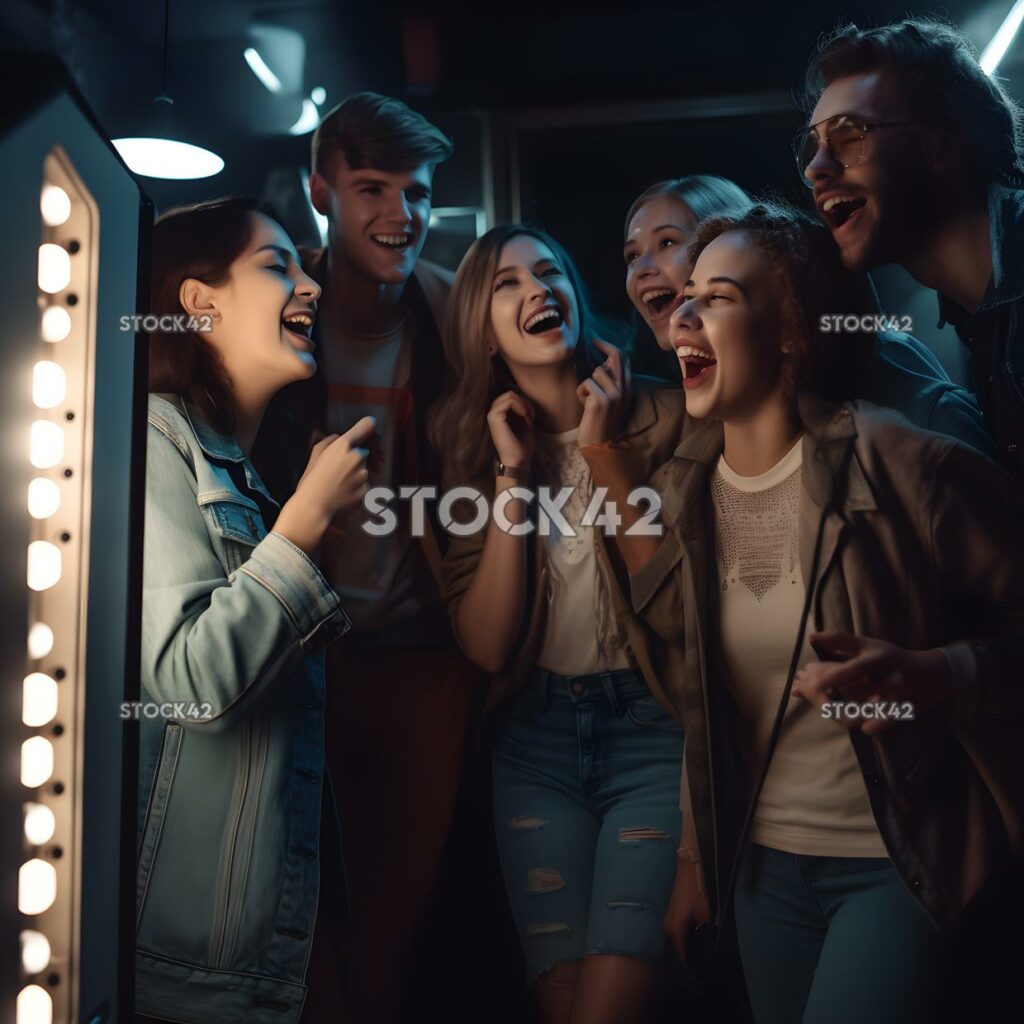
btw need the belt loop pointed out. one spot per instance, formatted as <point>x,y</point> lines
<point>611,693</point>
<point>544,684</point>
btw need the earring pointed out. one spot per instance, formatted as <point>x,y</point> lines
<point>491,350</point>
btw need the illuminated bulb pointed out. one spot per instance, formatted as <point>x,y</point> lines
<point>35,951</point>
<point>54,205</point>
<point>43,565</point>
<point>318,95</point>
<point>49,384</point>
<point>46,444</point>
<point>40,640</point>
<point>38,699</point>
<point>34,1006</point>
<point>36,761</point>
<point>54,268</point>
<point>40,824</point>
<point>43,498</point>
<point>37,886</point>
<point>56,323</point>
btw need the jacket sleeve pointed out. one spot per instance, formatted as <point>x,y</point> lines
<point>656,590</point>
<point>212,639</point>
<point>461,560</point>
<point>978,549</point>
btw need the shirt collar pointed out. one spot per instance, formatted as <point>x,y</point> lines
<point>1006,237</point>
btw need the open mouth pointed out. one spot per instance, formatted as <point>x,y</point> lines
<point>697,364</point>
<point>301,326</point>
<point>548,319</point>
<point>399,241</point>
<point>657,301</point>
<point>837,210</point>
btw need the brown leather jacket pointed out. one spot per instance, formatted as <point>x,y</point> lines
<point>652,433</point>
<point>924,550</point>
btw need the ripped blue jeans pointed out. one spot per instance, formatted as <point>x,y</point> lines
<point>586,808</point>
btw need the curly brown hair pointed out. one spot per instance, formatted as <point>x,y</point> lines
<point>811,282</point>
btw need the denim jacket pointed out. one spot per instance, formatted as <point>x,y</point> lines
<point>234,622</point>
<point>994,332</point>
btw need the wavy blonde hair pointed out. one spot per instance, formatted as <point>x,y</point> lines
<point>475,378</point>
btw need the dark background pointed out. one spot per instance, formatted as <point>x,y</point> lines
<point>561,113</point>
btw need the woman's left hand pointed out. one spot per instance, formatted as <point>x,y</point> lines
<point>605,398</point>
<point>870,671</point>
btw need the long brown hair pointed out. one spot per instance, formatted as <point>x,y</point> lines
<point>200,241</point>
<point>476,378</point>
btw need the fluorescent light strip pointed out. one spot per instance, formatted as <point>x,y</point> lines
<point>996,50</point>
<point>259,68</point>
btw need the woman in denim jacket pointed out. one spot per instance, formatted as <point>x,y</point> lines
<point>235,620</point>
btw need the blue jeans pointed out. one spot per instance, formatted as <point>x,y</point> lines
<point>586,807</point>
<point>834,940</point>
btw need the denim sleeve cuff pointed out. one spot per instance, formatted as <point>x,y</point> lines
<point>293,578</point>
<point>963,667</point>
<point>644,583</point>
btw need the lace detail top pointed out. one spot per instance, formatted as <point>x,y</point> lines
<point>814,799</point>
<point>580,635</point>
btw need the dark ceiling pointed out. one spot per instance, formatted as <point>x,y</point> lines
<point>442,56</point>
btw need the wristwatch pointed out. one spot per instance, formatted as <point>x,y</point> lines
<point>515,472</point>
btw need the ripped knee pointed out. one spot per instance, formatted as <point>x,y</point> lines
<point>563,974</point>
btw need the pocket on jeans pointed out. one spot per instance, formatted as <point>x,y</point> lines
<point>647,713</point>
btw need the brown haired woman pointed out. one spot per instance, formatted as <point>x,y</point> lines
<point>586,768</point>
<point>235,620</point>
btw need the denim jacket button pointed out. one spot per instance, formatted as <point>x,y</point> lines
<point>578,689</point>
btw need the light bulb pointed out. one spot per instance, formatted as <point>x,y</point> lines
<point>44,565</point>
<point>37,886</point>
<point>46,444</point>
<point>54,268</point>
<point>36,761</point>
<point>54,205</point>
<point>56,324</point>
<point>43,498</point>
<point>35,951</point>
<point>40,640</point>
<point>34,1006</point>
<point>40,824</point>
<point>38,699</point>
<point>49,384</point>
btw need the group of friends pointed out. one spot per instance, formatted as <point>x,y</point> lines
<point>840,529</point>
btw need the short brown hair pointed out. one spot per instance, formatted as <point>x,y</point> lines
<point>370,130</point>
<point>937,66</point>
<point>811,281</point>
<point>200,241</point>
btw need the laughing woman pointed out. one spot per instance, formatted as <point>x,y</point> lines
<point>586,770</point>
<point>835,552</point>
<point>234,622</point>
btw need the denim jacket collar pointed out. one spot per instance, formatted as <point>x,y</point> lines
<point>218,446</point>
<point>1006,237</point>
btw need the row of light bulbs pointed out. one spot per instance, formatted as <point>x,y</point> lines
<point>37,878</point>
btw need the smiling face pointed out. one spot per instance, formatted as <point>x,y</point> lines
<point>882,206</point>
<point>263,313</point>
<point>656,265</point>
<point>377,219</point>
<point>534,316</point>
<point>726,332</point>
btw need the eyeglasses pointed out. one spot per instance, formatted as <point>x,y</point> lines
<point>845,137</point>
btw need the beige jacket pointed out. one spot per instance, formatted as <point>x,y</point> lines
<point>652,434</point>
<point>925,551</point>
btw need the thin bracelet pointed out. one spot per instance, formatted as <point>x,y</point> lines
<point>689,855</point>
